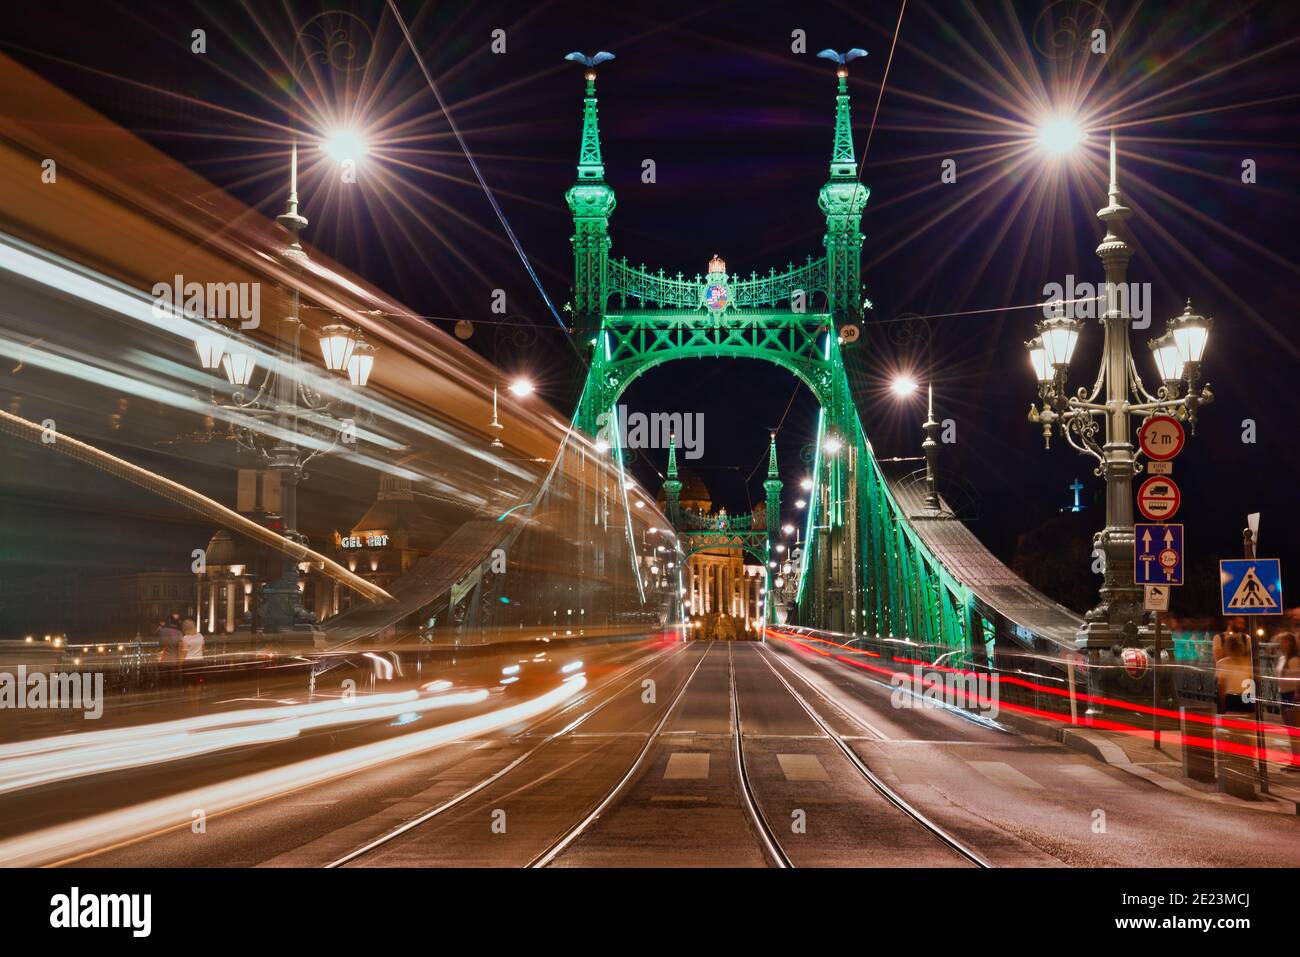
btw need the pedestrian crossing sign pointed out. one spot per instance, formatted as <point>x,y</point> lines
<point>1251,586</point>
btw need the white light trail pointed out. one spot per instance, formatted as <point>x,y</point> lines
<point>89,834</point>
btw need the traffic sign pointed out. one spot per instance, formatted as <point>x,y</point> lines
<point>1161,437</point>
<point>1157,554</point>
<point>1160,468</point>
<point>1159,498</point>
<point>1251,586</point>
<point>1156,598</point>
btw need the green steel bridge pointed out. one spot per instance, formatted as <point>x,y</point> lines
<point>878,561</point>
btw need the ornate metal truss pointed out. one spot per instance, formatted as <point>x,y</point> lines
<point>659,290</point>
<point>698,532</point>
<point>864,569</point>
<point>630,344</point>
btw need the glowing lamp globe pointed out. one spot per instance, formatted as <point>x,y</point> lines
<point>903,386</point>
<point>239,365</point>
<point>211,346</point>
<point>345,145</point>
<point>1168,361</point>
<point>1038,360</point>
<point>1191,334</point>
<point>361,363</point>
<point>336,344</point>
<point>1060,136</point>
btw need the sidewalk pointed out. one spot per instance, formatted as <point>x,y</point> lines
<point>1136,754</point>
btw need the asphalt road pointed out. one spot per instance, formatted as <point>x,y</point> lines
<point>670,755</point>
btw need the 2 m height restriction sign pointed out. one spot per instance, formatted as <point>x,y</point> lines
<point>1161,437</point>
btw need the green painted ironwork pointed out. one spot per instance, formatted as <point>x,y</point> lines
<point>636,286</point>
<point>699,532</point>
<point>864,569</point>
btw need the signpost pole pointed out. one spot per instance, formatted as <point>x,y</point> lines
<point>1155,684</point>
<point>1248,541</point>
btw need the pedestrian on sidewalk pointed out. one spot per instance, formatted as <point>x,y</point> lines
<point>1232,673</point>
<point>169,642</point>
<point>1287,672</point>
<point>191,642</point>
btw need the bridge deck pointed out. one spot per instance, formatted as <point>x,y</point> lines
<point>993,583</point>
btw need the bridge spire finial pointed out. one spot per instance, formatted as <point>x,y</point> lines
<point>842,200</point>
<point>673,485</point>
<point>844,164</point>
<point>772,470</point>
<point>591,168</point>
<point>591,200</point>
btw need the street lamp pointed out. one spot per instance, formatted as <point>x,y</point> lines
<point>1169,363</point>
<point>291,408</point>
<point>904,386</point>
<point>1191,335</point>
<point>211,346</point>
<point>336,344</point>
<point>361,363</point>
<point>522,387</point>
<point>1097,423</point>
<point>345,145</point>
<point>1059,135</point>
<point>239,364</point>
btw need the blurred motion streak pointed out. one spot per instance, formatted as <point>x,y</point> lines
<point>85,836</point>
<point>174,491</point>
<point>34,763</point>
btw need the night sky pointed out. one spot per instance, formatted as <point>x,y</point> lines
<point>739,128</point>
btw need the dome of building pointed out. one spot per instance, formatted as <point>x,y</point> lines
<point>221,549</point>
<point>695,495</point>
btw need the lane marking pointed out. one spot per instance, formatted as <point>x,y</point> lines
<point>802,767</point>
<point>687,766</point>
<point>892,796</point>
<point>1092,777</point>
<point>1001,773</point>
<point>545,858</point>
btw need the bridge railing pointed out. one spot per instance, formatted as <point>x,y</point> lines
<point>664,291</point>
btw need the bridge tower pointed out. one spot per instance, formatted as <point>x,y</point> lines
<point>591,200</point>
<point>842,200</point>
<point>772,486</point>
<point>673,485</point>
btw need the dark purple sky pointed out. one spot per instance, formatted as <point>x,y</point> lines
<point>739,127</point>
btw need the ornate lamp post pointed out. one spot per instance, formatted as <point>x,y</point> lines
<point>285,422</point>
<point>1097,422</point>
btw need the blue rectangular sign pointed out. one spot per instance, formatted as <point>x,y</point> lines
<point>1157,554</point>
<point>1251,586</point>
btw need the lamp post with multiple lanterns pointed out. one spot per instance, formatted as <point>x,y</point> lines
<point>1097,422</point>
<point>286,422</point>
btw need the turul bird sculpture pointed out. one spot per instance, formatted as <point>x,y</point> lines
<point>841,58</point>
<point>589,61</point>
